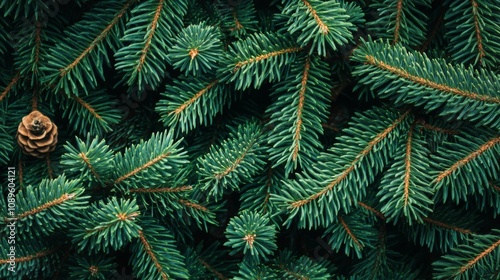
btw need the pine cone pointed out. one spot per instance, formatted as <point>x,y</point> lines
<point>36,134</point>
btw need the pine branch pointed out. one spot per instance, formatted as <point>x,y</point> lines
<point>255,197</point>
<point>88,267</point>
<point>237,17</point>
<point>149,163</point>
<point>472,158</point>
<point>401,21</point>
<point>154,253</point>
<point>253,234</point>
<point>292,267</point>
<point>249,270</point>
<point>9,87</point>
<point>94,113</point>
<point>197,50</point>
<point>257,58</point>
<point>472,31</point>
<point>107,224</point>
<point>297,114</point>
<point>235,161</point>
<point>445,228</point>
<point>405,187</point>
<point>147,40</point>
<point>189,103</point>
<point>208,262</point>
<point>354,231</point>
<point>361,152</point>
<point>5,142</point>
<point>468,260</point>
<point>410,78</point>
<point>77,59</point>
<point>40,211</point>
<point>318,23</point>
<point>34,257</point>
<point>90,159</point>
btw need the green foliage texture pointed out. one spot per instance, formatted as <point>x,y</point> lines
<point>248,139</point>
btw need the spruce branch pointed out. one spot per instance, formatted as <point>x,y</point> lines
<point>5,143</point>
<point>34,257</point>
<point>233,162</point>
<point>253,234</point>
<point>196,50</point>
<point>92,267</point>
<point>444,228</point>
<point>321,24</point>
<point>147,39</point>
<point>202,261</point>
<point>472,32</point>
<point>107,224</point>
<point>470,259</point>
<point>250,270</point>
<point>355,232</point>
<point>149,163</point>
<point>405,188</point>
<point>48,206</point>
<point>155,254</point>
<point>472,158</point>
<point>300,106</point>
<point>75,61</point>
<point>411,78</point>
<point>10,86</point>
<point>90,159</point>
<point>361,152</point>
<point>94,113</point>
<point>257,58</point>
<point>237,17</point>
<point>402,21</point>
<point>293,267</point>
<point>188,103</point>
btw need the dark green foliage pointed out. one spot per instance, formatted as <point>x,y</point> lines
<point>197,49</point>
<point>236,17</point>
<point>321,24</point>
<point>89,160</point>
<point>27,247</point>
<point>405,189</point>
<point>242,139</point>
<point>155,255</point>
<point>43,205</point>
<point>408,78</point>
<point>455,164</point>
<point>477,258</point>
<point>472,30</point>
<point>190,103</point>
<point>260,57</point>
<point>149,162</point>
<point>354,232</point>
<point>106,225</point>
<point>361,153</point>
<point>85,47</point>
<point>94,267</point>
<point>148,35</point>
<point>289,266</point>
<point>297,113</point>
<point>235,161</point>
<point>444,228</point>
<point>5,140</point>
<point>94,113</point>
<point>253,234</point>
<point>401,21</point>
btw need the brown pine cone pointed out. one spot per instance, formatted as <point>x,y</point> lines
<point>36,135</point>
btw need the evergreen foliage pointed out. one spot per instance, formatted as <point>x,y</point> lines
<point>241,139</point>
